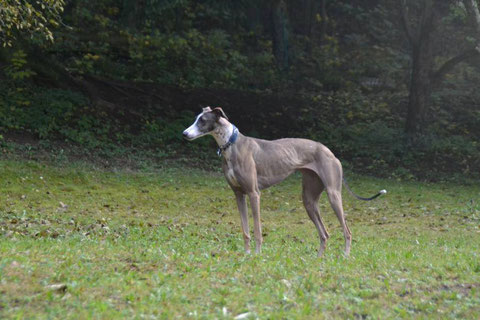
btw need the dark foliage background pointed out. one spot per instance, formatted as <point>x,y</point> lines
<point>388,92</point>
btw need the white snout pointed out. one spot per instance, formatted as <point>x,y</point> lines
<point>188,134</point>
<point>192,133</point>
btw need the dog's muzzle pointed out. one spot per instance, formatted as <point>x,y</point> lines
<point>186,136</point>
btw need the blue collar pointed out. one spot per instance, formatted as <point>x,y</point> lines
<point>231,141</point>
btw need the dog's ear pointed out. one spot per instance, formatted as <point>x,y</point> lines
<point>207,109</point>
<point>219,113</point>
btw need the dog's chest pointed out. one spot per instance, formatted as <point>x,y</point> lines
<point>229,173</point>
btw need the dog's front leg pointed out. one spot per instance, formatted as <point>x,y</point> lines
<point>242,208</point>
<point>257,224</point>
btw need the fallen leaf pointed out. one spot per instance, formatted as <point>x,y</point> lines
<point>242,316</point>
<point>286,283</point>
<point>61,287</point>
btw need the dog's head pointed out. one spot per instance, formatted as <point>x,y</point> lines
<point>204,124</point>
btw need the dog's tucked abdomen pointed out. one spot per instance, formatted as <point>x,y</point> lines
<point>276,160</point>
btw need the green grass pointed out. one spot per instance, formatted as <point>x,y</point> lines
<point>167,244</point>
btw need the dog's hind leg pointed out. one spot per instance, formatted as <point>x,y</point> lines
<point>331,174</point>
<point>335,198</point>
<point>311,189</point>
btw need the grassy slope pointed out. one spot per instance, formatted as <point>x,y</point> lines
<point>168,244</point>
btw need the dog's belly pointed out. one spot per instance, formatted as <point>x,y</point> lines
<point>276,169</point>
<point>268,181</point>
<point>276,164</point>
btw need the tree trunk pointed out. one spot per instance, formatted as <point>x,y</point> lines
<point>134,13</point>
<point>280,33</point>
<point>324,22</point>
<point>422,69</point>
<point>424,77</point>
<point>253,16</point>
<point>420,88</point>
<point>310,9</point>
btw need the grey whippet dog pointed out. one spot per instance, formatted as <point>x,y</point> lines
<point>251,164</point>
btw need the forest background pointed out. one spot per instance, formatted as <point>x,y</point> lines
<point>390,86</point>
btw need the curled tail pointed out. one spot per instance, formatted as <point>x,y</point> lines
<point>362,198</point>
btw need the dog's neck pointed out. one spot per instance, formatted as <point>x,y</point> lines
<point>223,132</point>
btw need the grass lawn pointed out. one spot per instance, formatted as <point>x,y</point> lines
<point>77,242</point>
